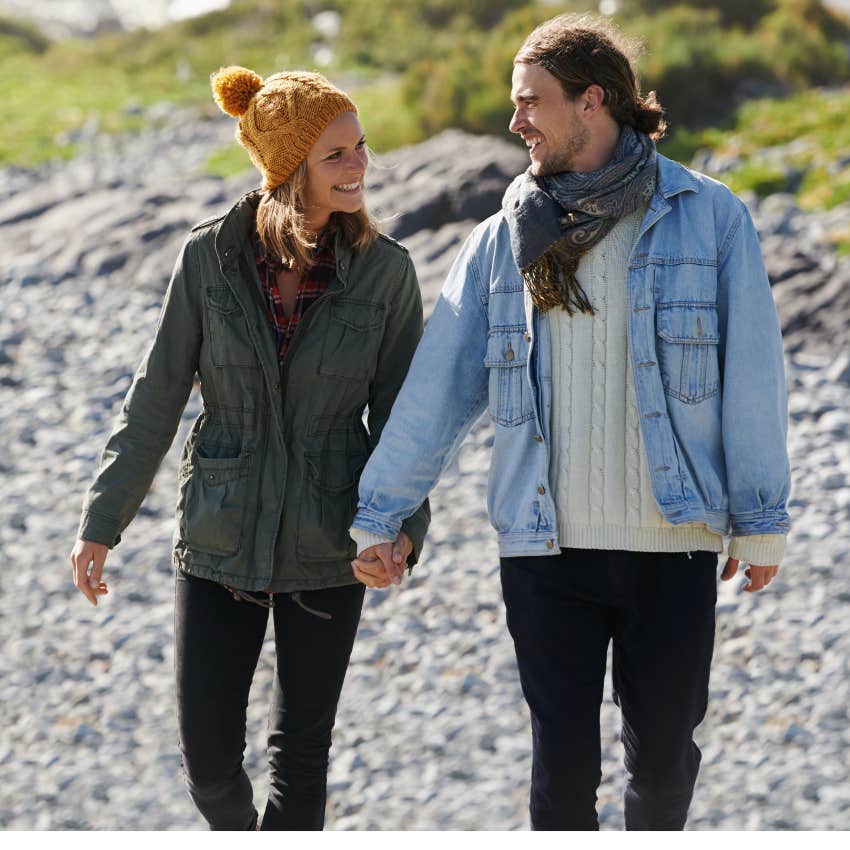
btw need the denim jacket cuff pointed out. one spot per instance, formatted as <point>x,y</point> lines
<point>773,521</point>
<point>376,524</point>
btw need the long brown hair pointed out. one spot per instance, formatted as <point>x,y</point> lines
<point>280,223</point>
<point>582,50</point>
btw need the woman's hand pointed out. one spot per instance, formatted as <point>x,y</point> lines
<point>382,565</point>
<point>86,552</point>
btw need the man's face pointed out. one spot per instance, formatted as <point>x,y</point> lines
<point>549,123</point>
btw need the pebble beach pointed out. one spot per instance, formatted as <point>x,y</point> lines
<point>432,731</point>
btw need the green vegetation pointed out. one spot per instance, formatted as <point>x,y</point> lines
<point>418,66</point>
<point>800,144</point>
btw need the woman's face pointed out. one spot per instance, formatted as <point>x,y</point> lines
<point>335,167</point>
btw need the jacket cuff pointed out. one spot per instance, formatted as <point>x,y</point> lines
<point>759,549</point>
<point>99,529</point>
<point>365,539</point>
<point>416,527</point>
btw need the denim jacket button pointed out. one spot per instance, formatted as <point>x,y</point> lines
<point>541,489</point>
<point>509,354</point>
<point>538,438</point>
<point>527,336</point>
<point>550,544</point>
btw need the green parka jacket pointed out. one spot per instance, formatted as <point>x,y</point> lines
<point>268,475</point>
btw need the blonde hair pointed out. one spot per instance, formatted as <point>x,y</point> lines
<point>280,223</point>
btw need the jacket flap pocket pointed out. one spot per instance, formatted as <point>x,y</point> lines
<point>360,315</point>
<point>506,347</point>
<point>220,470</point>
<point>694,324</point>
<point>334,471</point>
<point>221,299</point>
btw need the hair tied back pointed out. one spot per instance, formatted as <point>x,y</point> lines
<point>233,87</point>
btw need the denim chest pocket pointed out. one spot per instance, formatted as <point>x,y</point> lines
<point>355,330</point>
<point>509,389</point>
<point>229,342</point>
<point>688,337</point>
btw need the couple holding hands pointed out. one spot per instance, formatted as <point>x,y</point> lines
<point>616,320</point>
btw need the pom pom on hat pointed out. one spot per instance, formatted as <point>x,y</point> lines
<point>233,87</point>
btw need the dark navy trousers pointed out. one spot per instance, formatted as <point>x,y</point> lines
<point>218,642</point>
<point>658,609</point>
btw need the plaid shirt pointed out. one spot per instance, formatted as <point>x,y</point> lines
<point>313,284</point>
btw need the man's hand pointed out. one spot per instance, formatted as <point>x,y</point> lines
<point>382,565</point>
<point>759,576</point>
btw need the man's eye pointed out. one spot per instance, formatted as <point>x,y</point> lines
<point>361,143</point>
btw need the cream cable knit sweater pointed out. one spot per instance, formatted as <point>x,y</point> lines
<point>599,469</point>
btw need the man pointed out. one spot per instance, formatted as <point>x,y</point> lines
<point>616,318</point>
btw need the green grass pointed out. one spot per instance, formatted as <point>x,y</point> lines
<point>792,144</point>
<point>417,66</point>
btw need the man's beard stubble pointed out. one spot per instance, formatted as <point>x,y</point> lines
<point>563,159</point>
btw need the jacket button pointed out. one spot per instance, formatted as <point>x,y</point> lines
<point>538,438</point>
<point>211,476</point>
<point>550,544</point>
<point>527,336</point>
<point>541,489</point>
<point>509,354</point>
<point>277,385</point>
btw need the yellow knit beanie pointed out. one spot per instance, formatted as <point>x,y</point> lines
<point>280,118</point>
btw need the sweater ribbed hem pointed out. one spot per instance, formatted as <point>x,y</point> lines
<point>763,550</point>
<point>365,539</point>
<point>688,538</point>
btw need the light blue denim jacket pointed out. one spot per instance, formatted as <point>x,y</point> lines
<point>706,357</point>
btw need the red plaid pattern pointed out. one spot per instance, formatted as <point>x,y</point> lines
<point>313,284</point>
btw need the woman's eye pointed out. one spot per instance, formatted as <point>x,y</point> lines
<point>334,156</point>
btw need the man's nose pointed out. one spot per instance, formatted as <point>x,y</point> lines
<point>517,122</point>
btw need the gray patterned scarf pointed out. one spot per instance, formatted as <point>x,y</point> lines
<point>555,220</point>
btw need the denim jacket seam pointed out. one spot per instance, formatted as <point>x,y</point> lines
<point>479,285</point>
<point>730,237</point>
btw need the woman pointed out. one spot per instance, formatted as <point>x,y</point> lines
<point>295,314</point>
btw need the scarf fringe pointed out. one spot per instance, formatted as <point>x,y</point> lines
<point>551,280</point>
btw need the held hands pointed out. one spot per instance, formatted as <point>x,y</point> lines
<point>382,565</point>
<point>759,576</point>
<point>86,552</point>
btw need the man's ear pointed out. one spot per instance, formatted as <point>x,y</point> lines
<point>592,98</point>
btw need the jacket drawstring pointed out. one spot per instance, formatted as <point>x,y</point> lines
<point>245,596</point>
<point>296,597</point>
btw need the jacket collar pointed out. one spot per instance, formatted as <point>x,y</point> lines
<point>674,178</point>
<point>238,225</point>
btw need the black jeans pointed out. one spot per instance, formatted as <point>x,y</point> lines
<point>659,611</point>
<point>218,642</point>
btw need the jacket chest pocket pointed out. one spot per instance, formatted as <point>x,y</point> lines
<point>355,330</point>
<point>687,342</point>
<point>229,342</point>
<point>509,389</point>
